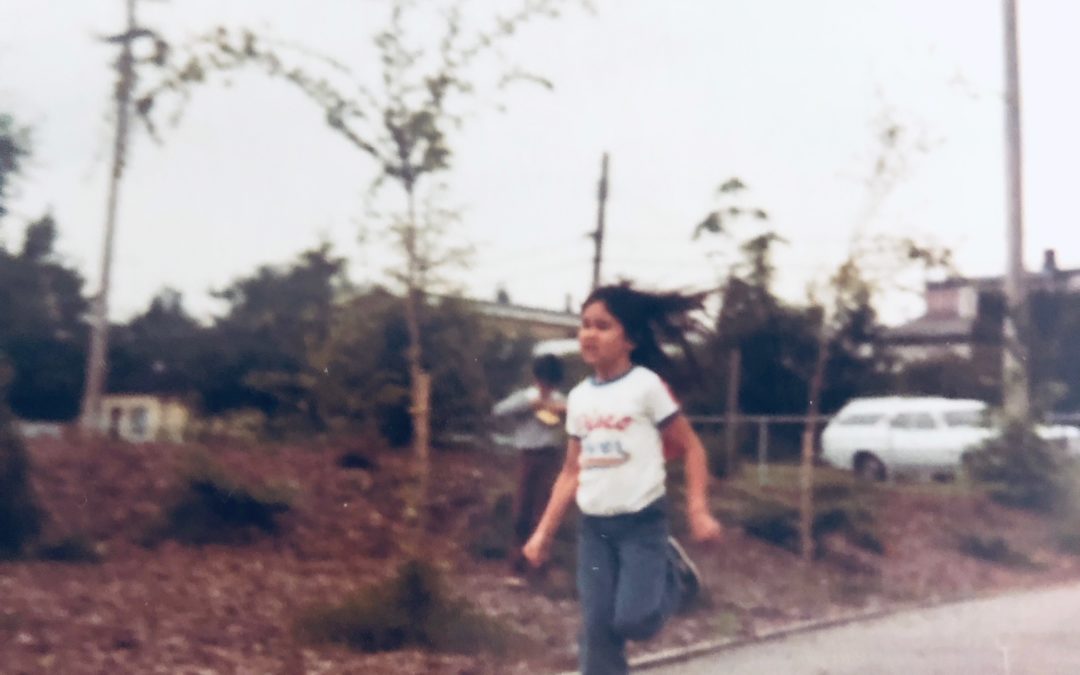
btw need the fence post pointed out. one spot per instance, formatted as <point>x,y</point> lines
<point>731,436</point>
<point>763,451</point>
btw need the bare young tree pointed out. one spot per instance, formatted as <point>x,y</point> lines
<point>404,124</point>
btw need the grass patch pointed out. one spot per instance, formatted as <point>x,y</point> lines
<point>210,507</point>
<point>412,610</point>
<point>726,623</point>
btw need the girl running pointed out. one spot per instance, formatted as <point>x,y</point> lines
<point>631,575</point>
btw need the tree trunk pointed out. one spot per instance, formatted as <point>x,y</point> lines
<point>806,471</point>
<point>419,379</point>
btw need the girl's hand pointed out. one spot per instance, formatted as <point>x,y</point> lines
<point>705,528</point>
<point>536,550</point>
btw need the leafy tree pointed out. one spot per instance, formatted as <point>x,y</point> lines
<point>159,351</point>
<point>14,150</point>
<point>261,345</point>
<point>43,332</point>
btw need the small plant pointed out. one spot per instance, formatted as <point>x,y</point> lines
<point>210,508</point>
<point>992,548</point>
<point>71,549</point>
<point>412,610</point>
<point>355,459</point>
<point>495,537</point>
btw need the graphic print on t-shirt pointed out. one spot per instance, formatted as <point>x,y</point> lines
<point>601,448</point>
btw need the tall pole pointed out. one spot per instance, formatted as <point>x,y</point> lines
<point>97,359</point>
<point>598,236</point>
<point>1014,374</point>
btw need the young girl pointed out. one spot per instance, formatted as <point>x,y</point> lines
<point>631,574</point>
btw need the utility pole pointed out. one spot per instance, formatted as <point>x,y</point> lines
<point>1014,370</point>
<point>598,236</point>
<point>97,359</point>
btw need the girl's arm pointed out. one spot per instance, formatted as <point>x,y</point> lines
<point>538,547</point>
<point>679,433</point>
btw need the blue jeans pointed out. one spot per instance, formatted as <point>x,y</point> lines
<point>626,585</point>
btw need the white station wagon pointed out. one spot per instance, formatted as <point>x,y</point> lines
<point>878,437</point>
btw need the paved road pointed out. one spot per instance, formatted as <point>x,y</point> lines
<point>1036,633</point>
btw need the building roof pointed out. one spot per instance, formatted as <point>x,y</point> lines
<point>505,310</point>
<point>932,329</point>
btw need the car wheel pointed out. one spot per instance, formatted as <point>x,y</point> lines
<point>869,467</point>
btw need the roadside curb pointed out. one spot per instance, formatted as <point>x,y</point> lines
<point>680,654</point>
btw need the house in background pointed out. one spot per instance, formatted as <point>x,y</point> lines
<point>141,418</point>
<point>518,321</point>
<point>963,313</point>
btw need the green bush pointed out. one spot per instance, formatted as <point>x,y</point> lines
<point>210,507</point>
<point>20,516</point>
<point>412,610</point>
<point>1022,470</point>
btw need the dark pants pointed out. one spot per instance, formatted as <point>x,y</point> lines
<point>626,584</point>
<point>537,469</point>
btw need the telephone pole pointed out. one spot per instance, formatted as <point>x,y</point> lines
<point>1014,370</point>
<point>97,359</point>
<point>598,235</point>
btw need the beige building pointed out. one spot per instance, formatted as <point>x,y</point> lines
<point>141,418</point>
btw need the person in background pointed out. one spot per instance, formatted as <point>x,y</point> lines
<point>536,414</point>
<point>632,576</point>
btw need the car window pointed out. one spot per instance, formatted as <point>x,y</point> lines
<point>860,420</point>
<point>968,418</point>
<point>913,421</point>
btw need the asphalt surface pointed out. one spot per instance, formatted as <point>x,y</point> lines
<point>1035,633</point>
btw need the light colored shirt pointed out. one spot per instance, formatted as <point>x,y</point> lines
<point>528,432</point>
<point>618,423</point>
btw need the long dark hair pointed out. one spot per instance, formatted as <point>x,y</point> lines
<point>650,318</point>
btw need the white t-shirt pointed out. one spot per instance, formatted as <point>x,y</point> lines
<point>618,423</point>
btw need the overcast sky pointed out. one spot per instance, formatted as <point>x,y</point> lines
<point>788,95</point>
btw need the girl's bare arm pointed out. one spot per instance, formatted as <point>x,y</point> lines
<point>679,433</point>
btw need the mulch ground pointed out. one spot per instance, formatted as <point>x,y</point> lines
<point>178,608</point>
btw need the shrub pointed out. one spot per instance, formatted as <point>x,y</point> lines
<point>495,537</point>
<point>355,459</point>
<point>20,517</point>
<point>839,506</point>
<point>70,549</point>
<point>210,507</point>
<point>992,548</point>
<point>413,609</point>
<point>1022,470</point>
